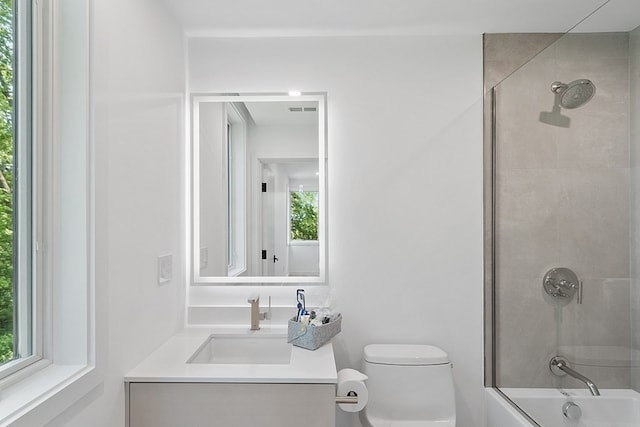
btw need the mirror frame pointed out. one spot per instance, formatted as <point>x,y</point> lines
<point>194,190</point>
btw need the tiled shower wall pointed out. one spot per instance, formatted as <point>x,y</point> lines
<point>634,60</point>
<point>562,200</point>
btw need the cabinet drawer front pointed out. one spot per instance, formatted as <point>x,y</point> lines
<point>225,405</point>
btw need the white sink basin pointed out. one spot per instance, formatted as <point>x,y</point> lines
<point>243,349</point>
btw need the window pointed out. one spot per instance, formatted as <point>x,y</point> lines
<point>236,193</point>
<point>17,346</point>
<point>230,201</point>
<point>303,208</point>
<point>50,325</point>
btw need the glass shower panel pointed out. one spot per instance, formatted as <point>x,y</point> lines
<point>563,196</point>
<point>565,224</point>
<point>634,82</point>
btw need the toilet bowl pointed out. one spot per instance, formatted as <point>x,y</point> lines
<point>409,386</point>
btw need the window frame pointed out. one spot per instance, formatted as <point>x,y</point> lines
<point>67,325</point>
<point>26,287</point>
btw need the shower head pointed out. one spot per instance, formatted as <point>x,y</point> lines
<point>575,94</point>
<point>572,95</point>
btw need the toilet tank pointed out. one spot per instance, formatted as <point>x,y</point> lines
<point>408,383</point>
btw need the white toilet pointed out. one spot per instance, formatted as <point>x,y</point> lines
<point>409,386</point>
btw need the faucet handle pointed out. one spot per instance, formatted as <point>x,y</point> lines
<point>267,314</point>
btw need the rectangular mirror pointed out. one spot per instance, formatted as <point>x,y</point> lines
<point>258,188</point>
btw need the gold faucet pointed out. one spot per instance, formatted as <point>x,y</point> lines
<point>256,314</point>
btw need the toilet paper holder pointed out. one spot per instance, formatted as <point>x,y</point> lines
<point>350,399</point>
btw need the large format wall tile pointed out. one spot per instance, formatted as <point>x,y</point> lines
<point>505,53</point>
<point>584,45</point>
<point>526,196</point>
<point>561,200</point>
<point>526,332</point>
<point>593,221</point>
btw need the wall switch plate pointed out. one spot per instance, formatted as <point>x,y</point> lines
<point>204,258</point>
<point>165,268</point>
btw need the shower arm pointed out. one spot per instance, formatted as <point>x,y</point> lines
<point>560,364</point>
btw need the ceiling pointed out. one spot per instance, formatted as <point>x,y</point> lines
<point>280,113</point>
<point>246,18</point>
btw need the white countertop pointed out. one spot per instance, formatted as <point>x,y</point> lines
<point>168,363</point>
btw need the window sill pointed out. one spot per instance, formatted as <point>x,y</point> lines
<point>303,243</point>
<point>45,394</point>
<point>236,271</point>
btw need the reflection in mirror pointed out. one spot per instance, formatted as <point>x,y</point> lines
<point>258,189</point>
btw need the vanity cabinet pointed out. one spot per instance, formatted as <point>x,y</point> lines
<point>182,385</point>
<point>172,404</point>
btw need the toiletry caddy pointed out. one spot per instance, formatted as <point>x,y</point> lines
<point>311,337</point>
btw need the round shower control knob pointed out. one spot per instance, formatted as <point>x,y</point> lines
<point>571,411</point>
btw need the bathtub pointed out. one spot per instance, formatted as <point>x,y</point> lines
<point>614,408</point>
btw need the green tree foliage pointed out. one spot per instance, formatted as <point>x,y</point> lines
<point>6,180</point>
<point>304,215</point>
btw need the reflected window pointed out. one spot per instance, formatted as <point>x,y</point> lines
<point>235,163</point>
<point>230,200</point>
<point>303,218</point>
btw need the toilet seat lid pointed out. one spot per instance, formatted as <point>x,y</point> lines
<point>405,354</point>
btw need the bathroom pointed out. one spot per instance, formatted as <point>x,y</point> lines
<point>405,170</point>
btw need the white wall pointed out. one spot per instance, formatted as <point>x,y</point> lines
<point>405,183</point>
<point>283,141</point>
<point>303,259</point>
<point>138,76</point>
<point>213,191</point>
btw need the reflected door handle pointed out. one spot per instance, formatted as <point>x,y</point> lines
<point>275,258</point>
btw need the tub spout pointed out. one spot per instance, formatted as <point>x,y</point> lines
<point>558,366</point>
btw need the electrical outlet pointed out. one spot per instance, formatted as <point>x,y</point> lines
<point>165,268</point>
<point>204,258</point>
